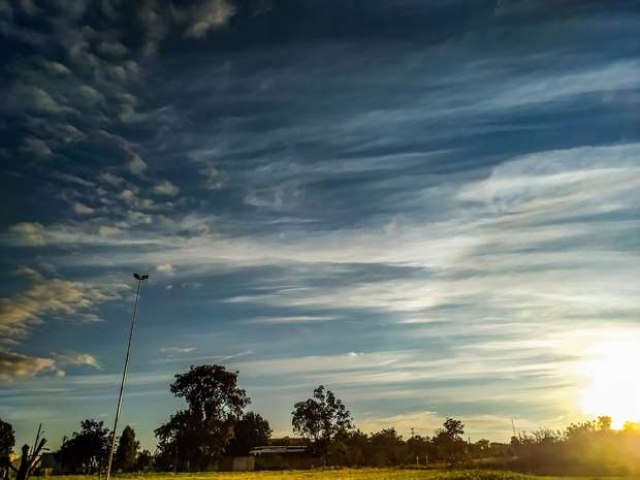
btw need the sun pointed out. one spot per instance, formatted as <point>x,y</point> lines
<point>613,388</point>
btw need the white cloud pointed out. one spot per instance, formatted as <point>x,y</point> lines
<point>82,209</point>
<point>55,68</point>
<point>112,49</point>
<point>277,197</point>
<point>207,16</point>
<point>130,197</point>
<point>288,320</point>
<point>572,178</point>
<point>139,218</point>
<point>615,76</point>
<point>29,273</point>
<point>111,179</point>
<point>16,366</point>
<point>32,233</point>
<point>46,300</point>
<point>75,358</point>
<point>36,147</point>
<point>90,95</point>
<point>165,268</point>
<point>136,165</point>
<point>179,350</point>
<point>107,231</point>
<point>65,177</point>
<point>85,233</point>
<point>49,298</point>
<point>35,98</point>
<point>213,178</point>
<point>166,188</point>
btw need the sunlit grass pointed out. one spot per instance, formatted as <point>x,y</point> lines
<point>346,474</point>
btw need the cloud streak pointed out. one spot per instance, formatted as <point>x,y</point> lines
<point>46,298</point>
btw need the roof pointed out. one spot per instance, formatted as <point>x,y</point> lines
<point>277,450</point>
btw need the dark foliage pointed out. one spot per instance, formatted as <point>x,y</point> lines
<point>249,432</point>
<point>194,438</point>
<point>320,418</point>
<point>144,461</point>
<point>7,442</point>
<point>86,450</point>
<point>7,438</point>
<point>449,443</point>
<point>127,452</point>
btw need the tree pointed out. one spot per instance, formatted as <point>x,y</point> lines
<point>349,448</point>
<point>144,462</point>
<point>198,435</point>
<point>86,450</point>
<point>453,428</point>
<point>127,451</point>
<point>7,438</point>
<point>7,441</point>
<point>320,417</point>
<point>604,424</point>
<point>387,448</point>
<point>419,449</point>
<point>450,445</point>
<point>483,445</point>
<point>249,432</point>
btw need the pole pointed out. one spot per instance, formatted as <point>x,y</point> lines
<point>125,371</point>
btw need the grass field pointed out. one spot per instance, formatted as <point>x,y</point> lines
<point>347,474</point>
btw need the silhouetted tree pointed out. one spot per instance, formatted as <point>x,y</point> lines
<point>320,417</point>
<point>483,445</point>
<point>195,437</point>
<point>249,432</point>
<point>604,424</point>
<point>348,448</point>
<point>419,449</point>
<point>453,428</point>
<point>387,448</point>
<point>144,462</point>
<point>7,441</point>
<point>449,443</point>
<point>127,451</point>
<point>7,438</point>
<point>86,450</point>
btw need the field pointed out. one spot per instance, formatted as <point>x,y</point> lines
<point>346,474</point>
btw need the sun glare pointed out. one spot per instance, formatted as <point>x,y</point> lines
<point>614,382</point>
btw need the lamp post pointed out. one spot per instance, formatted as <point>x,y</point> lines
<point>139,279</point>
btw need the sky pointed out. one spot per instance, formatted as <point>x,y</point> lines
<point>431,207</point>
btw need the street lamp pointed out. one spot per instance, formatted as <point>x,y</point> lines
<point>139,279</point>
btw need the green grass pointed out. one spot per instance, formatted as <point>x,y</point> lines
<point>346,474</point>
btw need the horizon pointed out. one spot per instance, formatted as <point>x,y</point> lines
<point>430,209</point>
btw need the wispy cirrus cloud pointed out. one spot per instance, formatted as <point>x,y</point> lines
<point>50,298</point>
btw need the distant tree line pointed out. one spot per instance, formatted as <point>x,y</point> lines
<point>215,423</point>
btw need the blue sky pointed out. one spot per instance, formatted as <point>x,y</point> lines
<point>430,207</point>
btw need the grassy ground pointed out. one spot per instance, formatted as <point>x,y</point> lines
<point>346,474</point>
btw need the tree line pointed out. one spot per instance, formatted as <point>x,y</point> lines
<point>216,423</point>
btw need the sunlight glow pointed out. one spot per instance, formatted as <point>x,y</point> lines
<point>614,387</point>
